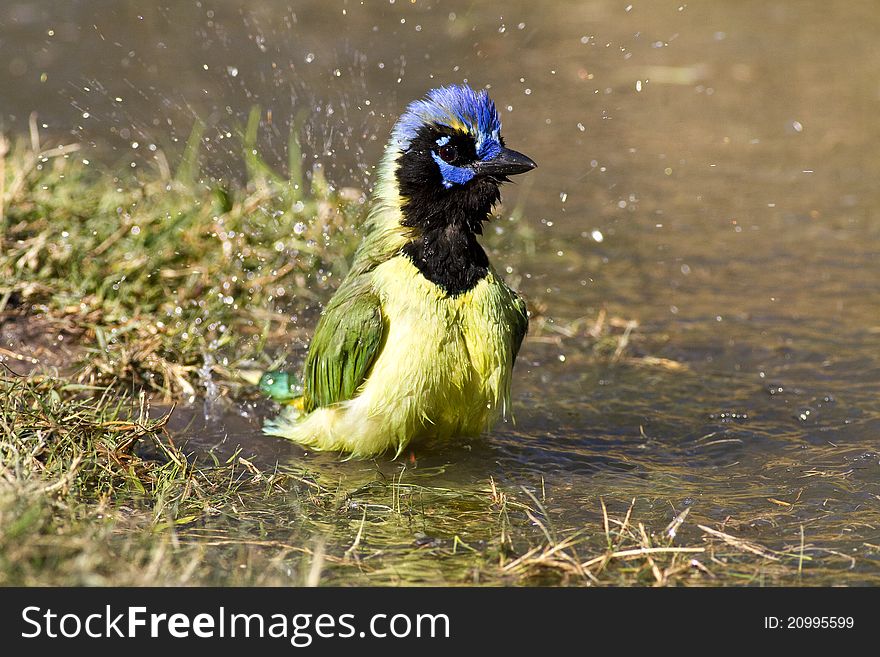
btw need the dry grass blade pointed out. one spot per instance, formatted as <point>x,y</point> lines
<point>672,527</point>
<point>640,552</point>
<point>741,544</point>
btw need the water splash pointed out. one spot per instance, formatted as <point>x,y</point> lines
<point>212,405</point>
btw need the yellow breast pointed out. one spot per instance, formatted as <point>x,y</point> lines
<point>447,360</point>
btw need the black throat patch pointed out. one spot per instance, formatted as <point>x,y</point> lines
<point>444,221</point>
<point>449,257</point>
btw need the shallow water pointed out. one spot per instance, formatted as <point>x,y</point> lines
<point>708,169</point>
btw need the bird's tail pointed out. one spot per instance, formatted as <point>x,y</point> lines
<point>285,389</point>
<point>284,424</point>
<point>282,387</point>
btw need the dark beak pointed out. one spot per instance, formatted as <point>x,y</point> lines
<point>506,163</point>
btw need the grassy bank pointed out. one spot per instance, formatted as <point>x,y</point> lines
<point>126,291</point>
<point>148,275</point>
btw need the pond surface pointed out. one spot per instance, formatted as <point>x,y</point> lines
<point>707,169</point>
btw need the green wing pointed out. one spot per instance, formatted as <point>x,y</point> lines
<point>347,340</point>
<point>520,324</point>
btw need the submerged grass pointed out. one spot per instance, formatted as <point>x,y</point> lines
<point>94,491</point>
<point>160,283</point>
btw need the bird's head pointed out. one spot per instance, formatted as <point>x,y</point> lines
<point>449,159</point>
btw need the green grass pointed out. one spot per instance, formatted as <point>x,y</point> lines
<point>152,274</point>
<point>161,282</point>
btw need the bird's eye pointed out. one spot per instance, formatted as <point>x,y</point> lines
<point>447,152</point>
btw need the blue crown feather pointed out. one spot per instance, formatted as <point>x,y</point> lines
<point>458,107</point>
